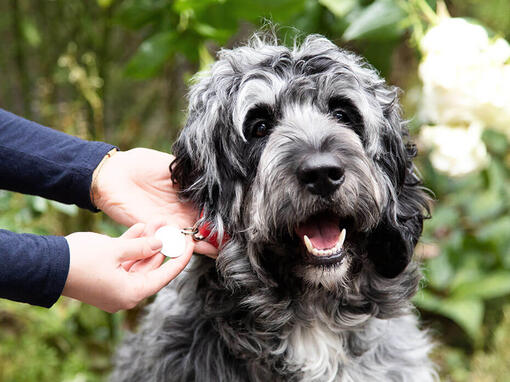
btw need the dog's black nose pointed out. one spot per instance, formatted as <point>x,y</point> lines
<point>321,174</point>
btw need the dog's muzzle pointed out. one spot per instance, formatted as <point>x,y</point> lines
<point>321,174</point>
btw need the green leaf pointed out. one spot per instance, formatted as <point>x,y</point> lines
<point>467,313</point>
<point>378,21</point>
<point>151,55</point>
<point>445,219</point>
<point>496,174</point>
<point>205,58</point>
<point>38,204</point>
<point>469,267</point>
<point>440,272</point>
<point>379,54</point>
<point>444,216</point>
<point>495,141</point>
<point>220,35</point>
<point>70,210</point>
<point>339,8</point>
<point>427,301</point>
<point>137,13</point>
<point>194,5</point>
<point>493,285</point>
<point>432,4</point>
<point>30,33</point>
<point>485,205</point>
<point>495,232</point>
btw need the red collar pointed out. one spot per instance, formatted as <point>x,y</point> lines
<point>205,232</point>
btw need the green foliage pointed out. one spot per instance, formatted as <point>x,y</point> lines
<point>489,364</point>
<point>70,342</point>
<point>379,21</point>
<point>470,225</point>
<point>152,54</point>
<point>184,26</point>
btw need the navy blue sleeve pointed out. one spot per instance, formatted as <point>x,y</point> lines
<point>33,269</point>
<point>41,161</point>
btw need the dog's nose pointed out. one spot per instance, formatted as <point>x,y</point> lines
<point>321,174</point>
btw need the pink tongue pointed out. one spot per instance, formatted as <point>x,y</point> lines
<point>322,230</point>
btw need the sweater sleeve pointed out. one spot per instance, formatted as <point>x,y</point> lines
<point>41,161</point>
<point>33,269</point>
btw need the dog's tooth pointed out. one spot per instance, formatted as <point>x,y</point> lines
<point>341,239</point>
<point>308,244</point>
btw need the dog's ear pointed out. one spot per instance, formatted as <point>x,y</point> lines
<point>183,170</point>
<point>208,152</point>
<point>393,241</point>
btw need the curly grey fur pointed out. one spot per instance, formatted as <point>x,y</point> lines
<point>259,313</point>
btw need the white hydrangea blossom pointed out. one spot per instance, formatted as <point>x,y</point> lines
<point>465,75</point>
<point>455,151</point>
<point>466,88</point>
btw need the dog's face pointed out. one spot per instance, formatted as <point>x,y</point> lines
<point>299,155</point>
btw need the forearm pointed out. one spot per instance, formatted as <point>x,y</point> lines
<point>33,269</point>
<point>41,161</point>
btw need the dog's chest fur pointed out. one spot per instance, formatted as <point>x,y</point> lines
<point>320,353</point>
<point>316,351</point>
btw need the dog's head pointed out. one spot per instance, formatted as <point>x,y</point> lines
<point>300,156</point>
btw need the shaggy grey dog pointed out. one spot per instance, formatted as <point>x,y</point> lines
<point>297,158</point>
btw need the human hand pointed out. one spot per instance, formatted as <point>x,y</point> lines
<point>135,186</point>
<point>118,273</point>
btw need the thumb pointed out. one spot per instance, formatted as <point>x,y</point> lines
<point>159,277</point>
<point>139,248</point>
<point>204,248</point>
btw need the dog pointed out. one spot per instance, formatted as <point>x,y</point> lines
<point>301,166</point>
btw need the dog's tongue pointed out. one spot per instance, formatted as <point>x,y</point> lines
<point>322,230</point>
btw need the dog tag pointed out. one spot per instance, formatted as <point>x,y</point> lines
<point>174,241</point>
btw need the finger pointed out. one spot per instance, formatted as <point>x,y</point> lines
<point>149,230</point>
<point>135,230</point>
<point>158,278</point>
<point>205,248</point>
<point>126,265</point>
<point>154,262</point>
<point>139,248</point>
<point>148,264</point>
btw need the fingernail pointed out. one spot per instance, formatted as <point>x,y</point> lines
<point>155,243</point>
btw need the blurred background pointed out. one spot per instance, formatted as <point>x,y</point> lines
<point>118,70</point>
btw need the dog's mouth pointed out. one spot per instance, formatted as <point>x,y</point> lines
<point>323,238</point>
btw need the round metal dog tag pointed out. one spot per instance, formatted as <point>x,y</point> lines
<point>174,241</point>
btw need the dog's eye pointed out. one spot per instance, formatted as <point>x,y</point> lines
<point>344,111</point>
<point>341,116</point>
<point>261,129</point>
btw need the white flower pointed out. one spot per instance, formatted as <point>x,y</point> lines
<point>456,151</point>
<point>465,75</point>
<point>453,36</point>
